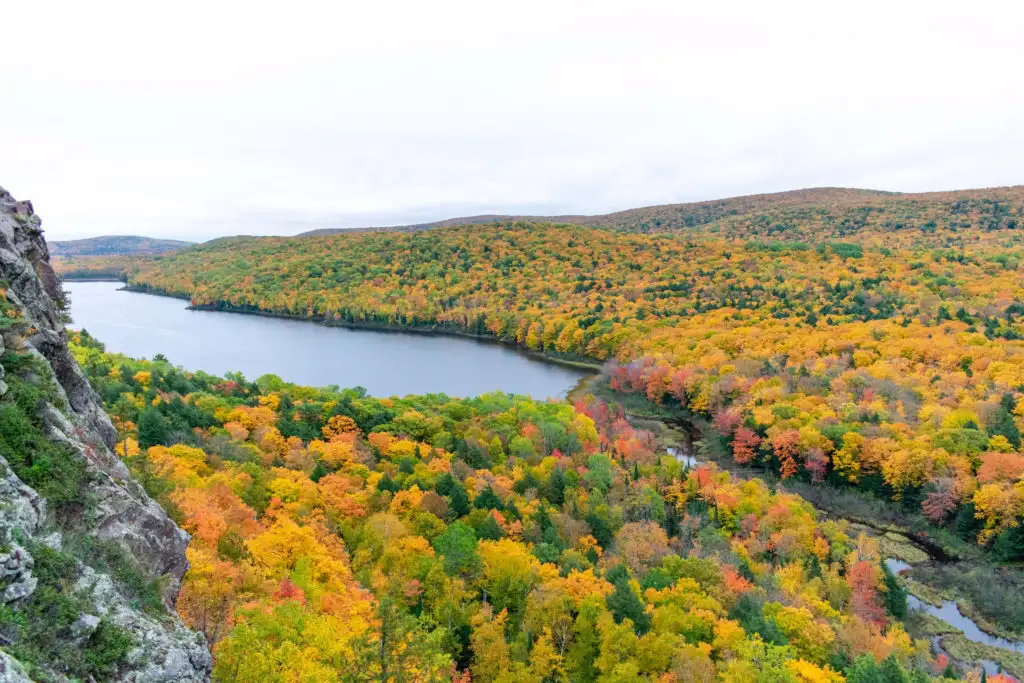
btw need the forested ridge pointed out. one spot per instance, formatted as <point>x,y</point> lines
<point>858,339</point>
<point>337,536</point>
<point>114,245</point>
<point>823,209</point>
<point>109,267</point>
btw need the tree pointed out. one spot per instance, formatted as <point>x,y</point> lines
<point>580,661</point>
<point>786,446</point>
<point>599,472</point>
<point>624,603</point>
<point>554,489</point>
<point>207,594</point>
<point>496,451</point>
<point>488,500</point>
<point>153,428</point>
<point>1002,424</point>
<point>641,545</point>
<point>892,672</point>
<point>744,445</point>
<point>458,547</point>
<point>124,411</point>
<point>895,595</point>
<point>510,572</point>
<point>490,651</point>
<point>459,500</point>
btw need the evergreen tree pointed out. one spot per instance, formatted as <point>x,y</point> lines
<point>554,490</point>
<point>489,529</point>
<point>488,500</point>
<point>892,672</point>
<point>319,471</point>
<point>445,484</point>
<point>458,500</point>
<point>153,428</point>
<point>624,603</point>
<point>895,595</point>
<point>1002,422</point>
<point>386,483</point>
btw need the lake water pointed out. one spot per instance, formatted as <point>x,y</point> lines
<point>385,363</point>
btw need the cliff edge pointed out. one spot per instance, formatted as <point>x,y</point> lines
<point>90,566</point>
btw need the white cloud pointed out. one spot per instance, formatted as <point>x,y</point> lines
<point>197,119</point>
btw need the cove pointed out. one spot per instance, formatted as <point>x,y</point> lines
<point>307,353</point>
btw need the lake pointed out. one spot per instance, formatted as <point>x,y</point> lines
<point>304,352</point>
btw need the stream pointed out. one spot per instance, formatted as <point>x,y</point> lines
<point>949,613</point>
<point>680,446</point>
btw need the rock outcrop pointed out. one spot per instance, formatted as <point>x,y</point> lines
<point>108,512</point>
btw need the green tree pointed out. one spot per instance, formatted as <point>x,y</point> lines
<point>488,500</point>
<point>458,548</point>
<point>459,501</point>
<point>586,643</point>
<point>623,602</point>
<point>895,595</point>
<point>496,451</point>
<point>153,428</point>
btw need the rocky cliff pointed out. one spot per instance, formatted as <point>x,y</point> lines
<point>89,565</point>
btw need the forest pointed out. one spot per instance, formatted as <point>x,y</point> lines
<point>339,536</point>
<point>114,245</point>
<point>91,267</point>
<point>840,338</point>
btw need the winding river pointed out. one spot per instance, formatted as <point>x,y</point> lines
<point>303,352</point>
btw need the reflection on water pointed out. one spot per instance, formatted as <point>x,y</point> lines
<point>951,614</point>
<point>896,566</point>
<point>385,363</point>
<point>682,457</point>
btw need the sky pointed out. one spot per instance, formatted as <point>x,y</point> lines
<point>193,120</point>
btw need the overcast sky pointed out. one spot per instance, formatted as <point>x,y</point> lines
<point>202,119</point>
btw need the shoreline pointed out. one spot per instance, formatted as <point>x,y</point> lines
<point>65,278</point>
<point>589,367</point>
<point>684,424</point>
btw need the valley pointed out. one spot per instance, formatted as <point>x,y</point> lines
<point>778,441</point>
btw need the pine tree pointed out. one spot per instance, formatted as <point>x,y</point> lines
<point>153,428</point>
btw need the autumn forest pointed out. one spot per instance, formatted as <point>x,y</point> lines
<point>841,365</point>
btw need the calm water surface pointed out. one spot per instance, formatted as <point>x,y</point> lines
<point>385,363</point>
<point>950,613</point>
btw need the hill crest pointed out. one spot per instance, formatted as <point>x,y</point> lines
<point>692,214</point>
<point>116,245</point>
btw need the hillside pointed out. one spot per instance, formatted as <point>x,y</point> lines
<point>339,536</point>
<point>95,267</point>
<point>825,211</point>
<point>115,245</point>
<point>889,360</point>
<point>90,566</point>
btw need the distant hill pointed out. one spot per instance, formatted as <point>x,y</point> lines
<point>116,245</point>
<point>834,210</point>
<point>448,222</point>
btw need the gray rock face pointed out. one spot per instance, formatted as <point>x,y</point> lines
<point>22,510</point>
<point>122,513</point>
<point>164,652</point>
<point>11,670</point>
